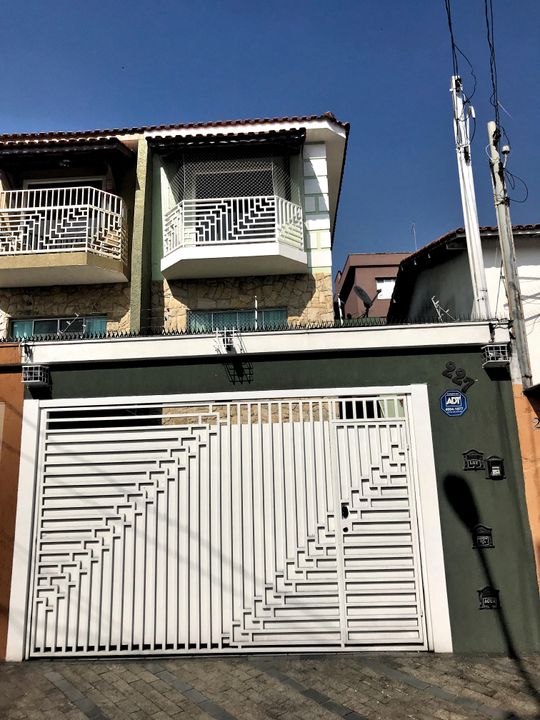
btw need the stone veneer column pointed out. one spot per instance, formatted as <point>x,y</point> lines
<point>141,242</point>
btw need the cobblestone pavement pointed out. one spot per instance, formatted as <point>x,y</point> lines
<point>308,687</point>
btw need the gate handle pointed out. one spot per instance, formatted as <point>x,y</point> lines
<point>344,511</point>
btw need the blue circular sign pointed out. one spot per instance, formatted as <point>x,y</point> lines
<point>454,403</point>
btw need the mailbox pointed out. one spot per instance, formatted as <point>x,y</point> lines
<point>494,468</point>
<point>482,537</point>
<point>488,598</point>
<point>473,460</point>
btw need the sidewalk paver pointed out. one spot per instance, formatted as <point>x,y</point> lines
<point>353,686</point>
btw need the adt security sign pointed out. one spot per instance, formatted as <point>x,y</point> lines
<point>454,403</point>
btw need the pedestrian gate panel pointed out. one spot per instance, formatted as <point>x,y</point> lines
<point>226,526</point>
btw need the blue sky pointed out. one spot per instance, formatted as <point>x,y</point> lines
<point>382,65</point>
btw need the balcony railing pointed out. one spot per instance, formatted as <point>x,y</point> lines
<point>60,220</point>
<point>212,221</point>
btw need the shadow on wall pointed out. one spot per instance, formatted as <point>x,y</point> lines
<point>464,505</point>
<point>307,298</point>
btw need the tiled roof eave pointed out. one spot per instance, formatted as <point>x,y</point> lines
<point>147,129</point>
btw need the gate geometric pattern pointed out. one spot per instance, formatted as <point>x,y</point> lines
<point>218,527</point>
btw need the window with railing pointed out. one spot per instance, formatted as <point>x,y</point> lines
<point>221,198</point>
<point>212,320</point>
<point>79,326</point>
<point>224,175</point>
<point>72,215</point>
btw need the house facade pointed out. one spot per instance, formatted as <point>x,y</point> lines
<point>114,229</point>
<point>210,464</point>
<point>373,275</point>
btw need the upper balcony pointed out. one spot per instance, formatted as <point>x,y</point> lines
<point>230,204</point>
<point>62,236</point>
<point>225,236</point>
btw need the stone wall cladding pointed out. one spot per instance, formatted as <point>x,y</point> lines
<point>65,301</point>
<point>308,298</point>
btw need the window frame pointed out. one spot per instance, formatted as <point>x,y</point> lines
<point>57,320</point>
<point>256,313</point>
<point>61,182</point>
<point>383,281</point>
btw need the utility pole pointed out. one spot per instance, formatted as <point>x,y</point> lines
<point>508,252</point>
<point>468,201</point>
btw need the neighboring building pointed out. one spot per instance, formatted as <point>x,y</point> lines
<point>208,464</point>
<point>435,282</point>
<point>374,274</point>
<point>439,273</point>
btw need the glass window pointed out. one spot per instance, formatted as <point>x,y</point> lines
<point>92,325</point>
<point>45,327</point>
<point>385,287</point>
<point>22,328</point>
<point>71,325</point>
<point>211,320</point>
<point>96,325</point>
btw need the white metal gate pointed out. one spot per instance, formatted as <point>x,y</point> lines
<point>226,526</point>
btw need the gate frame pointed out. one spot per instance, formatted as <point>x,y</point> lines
<point>424,486</point>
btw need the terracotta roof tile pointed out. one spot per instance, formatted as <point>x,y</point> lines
<point>26,137</point>
<point>460,232</point>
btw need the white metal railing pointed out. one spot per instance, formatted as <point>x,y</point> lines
<point>63,219</point>
<point>211,221</point>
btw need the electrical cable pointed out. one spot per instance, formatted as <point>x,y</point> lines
<point>512,177</point>
<point>455,68</point>
<point>494,99</point>
<point>455,50</point>
<point>499,289</point>
<point>496,104</point>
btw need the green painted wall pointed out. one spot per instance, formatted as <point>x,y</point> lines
<point>465,497</point>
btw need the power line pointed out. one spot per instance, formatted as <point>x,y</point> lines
<point>455,50</point>
<point>511,178</point>
<point>455,69</point>
<point>494,99</point>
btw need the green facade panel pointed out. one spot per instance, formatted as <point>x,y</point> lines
<point>466,497</point>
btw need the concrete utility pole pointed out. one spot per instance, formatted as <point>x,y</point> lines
<point>508,252</point>
<point>468,201</point>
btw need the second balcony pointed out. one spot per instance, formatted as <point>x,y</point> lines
<point>240,236</point>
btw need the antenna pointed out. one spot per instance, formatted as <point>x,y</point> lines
<point>364,297</point>
<point>442,314</point>
<point>413,230</point>
<point>64,331</point>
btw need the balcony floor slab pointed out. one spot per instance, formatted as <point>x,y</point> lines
<point>233,260</point>
<point>61,268</point>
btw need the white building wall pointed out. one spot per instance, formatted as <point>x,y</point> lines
<point>316,208</point>
<point>450,283</point>
<point>528,260</point>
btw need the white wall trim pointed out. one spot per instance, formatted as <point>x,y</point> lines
<point>431,545</point>
<point>22,551</point>
<point>383,337</point>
